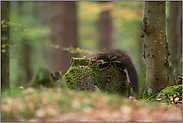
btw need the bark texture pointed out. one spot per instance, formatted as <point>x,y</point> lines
<point>5,15</point>
<point>155,46</point>
<point>64,33</point>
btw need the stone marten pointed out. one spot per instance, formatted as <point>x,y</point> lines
<point>120,59</point>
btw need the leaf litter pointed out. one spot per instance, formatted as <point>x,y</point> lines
<point>58,105</point>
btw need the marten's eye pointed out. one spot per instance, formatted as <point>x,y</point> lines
<point>93,62</point>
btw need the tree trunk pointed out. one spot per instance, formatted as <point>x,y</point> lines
<point>155,46</point>
<point>44,13</point>
<point>5,15</point>
<point>26,57</point>
<point>64,33</point>
<point>105,30</point>
<point>44,18</point>
<point>26,48</point>
<point>175,29</point>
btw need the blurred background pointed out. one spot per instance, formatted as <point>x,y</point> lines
<point>48,34</point>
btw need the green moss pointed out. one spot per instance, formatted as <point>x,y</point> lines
<point>112,80</point>
<point>171,90</point>
<point>163,95</point>
<point>75,77</point>
<point>109,79</point>
<point>167,92</point>
<point>79,61</point>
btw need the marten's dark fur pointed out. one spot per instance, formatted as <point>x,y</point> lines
<point>124,62</point>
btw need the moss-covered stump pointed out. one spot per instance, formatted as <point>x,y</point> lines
<point>113,81</point>
<point>80,78</point>
<point>109,79</point>
<point>79,61</point>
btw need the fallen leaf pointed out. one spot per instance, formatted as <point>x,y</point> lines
<point>176,99</point>
<point>84,57</point>
<point>168,84</point>
<point>159,99</point>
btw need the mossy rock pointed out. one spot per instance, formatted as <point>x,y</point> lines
<point>109,79</point>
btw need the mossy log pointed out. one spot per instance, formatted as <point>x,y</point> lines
<point>108,79</point>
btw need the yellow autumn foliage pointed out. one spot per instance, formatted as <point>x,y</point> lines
<point>91,10</point>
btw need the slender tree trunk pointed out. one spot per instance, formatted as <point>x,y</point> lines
<point>5,15</point>
<point>105,30</point>
<point>26,54</point>
<point>44,19</point>
<point>155,46</point>
<point>64,33</point>
<point>26,49</point>
<point>20,78</point>
<point>175,39</point>
<point>177,30</point>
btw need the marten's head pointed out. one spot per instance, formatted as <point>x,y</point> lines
<point>92,59</point>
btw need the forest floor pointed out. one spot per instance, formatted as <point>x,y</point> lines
<point>63,105</point>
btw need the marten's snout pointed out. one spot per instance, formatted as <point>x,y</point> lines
<point>91,62</point>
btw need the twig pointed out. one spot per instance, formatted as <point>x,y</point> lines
<point>153,95</point>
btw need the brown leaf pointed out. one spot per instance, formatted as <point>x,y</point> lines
<point>84,57</point>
